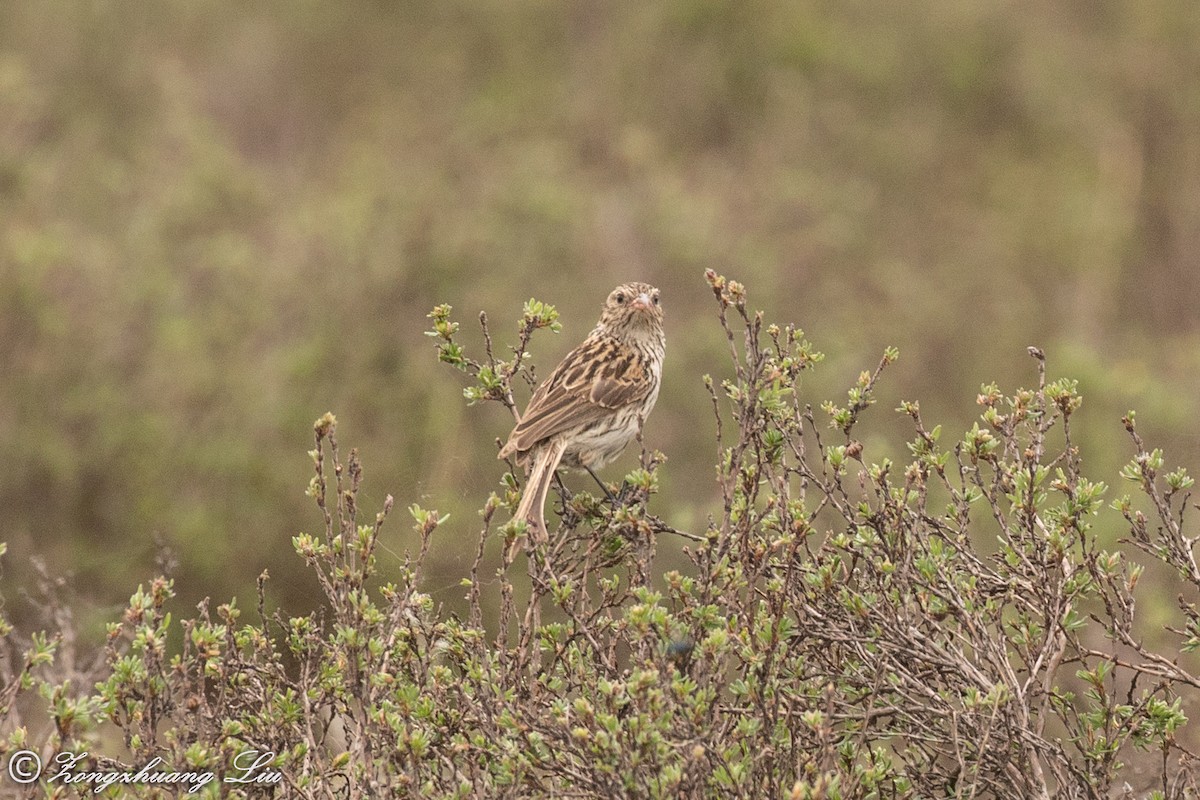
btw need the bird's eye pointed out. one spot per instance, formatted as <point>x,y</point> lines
<point>620,297</point>
<point>655,299</point>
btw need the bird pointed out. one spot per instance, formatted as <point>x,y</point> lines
<point>589,408</point>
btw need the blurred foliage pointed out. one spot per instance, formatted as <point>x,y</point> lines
<point>218,220</point>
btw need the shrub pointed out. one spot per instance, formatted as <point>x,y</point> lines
<point>943,626</point>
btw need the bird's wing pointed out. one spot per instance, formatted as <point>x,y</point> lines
<point>594,379</point>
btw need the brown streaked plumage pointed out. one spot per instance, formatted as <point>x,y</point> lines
<point>586,412</point>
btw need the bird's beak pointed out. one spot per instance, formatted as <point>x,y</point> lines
<point>642,301</point>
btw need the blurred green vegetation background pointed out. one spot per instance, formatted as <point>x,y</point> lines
<point>219,220</point>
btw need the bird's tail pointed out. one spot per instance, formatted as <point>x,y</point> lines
<point>533,499</point>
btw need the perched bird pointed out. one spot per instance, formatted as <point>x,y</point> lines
<point>586,412</point>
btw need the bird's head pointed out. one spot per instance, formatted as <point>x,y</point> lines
<point>632,306</point>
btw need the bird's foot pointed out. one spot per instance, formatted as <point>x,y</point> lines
<point>624,494</point>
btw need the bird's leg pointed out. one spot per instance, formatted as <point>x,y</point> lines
<point>562,488</point>
<point>604,488</point>
<point>565,496</point>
